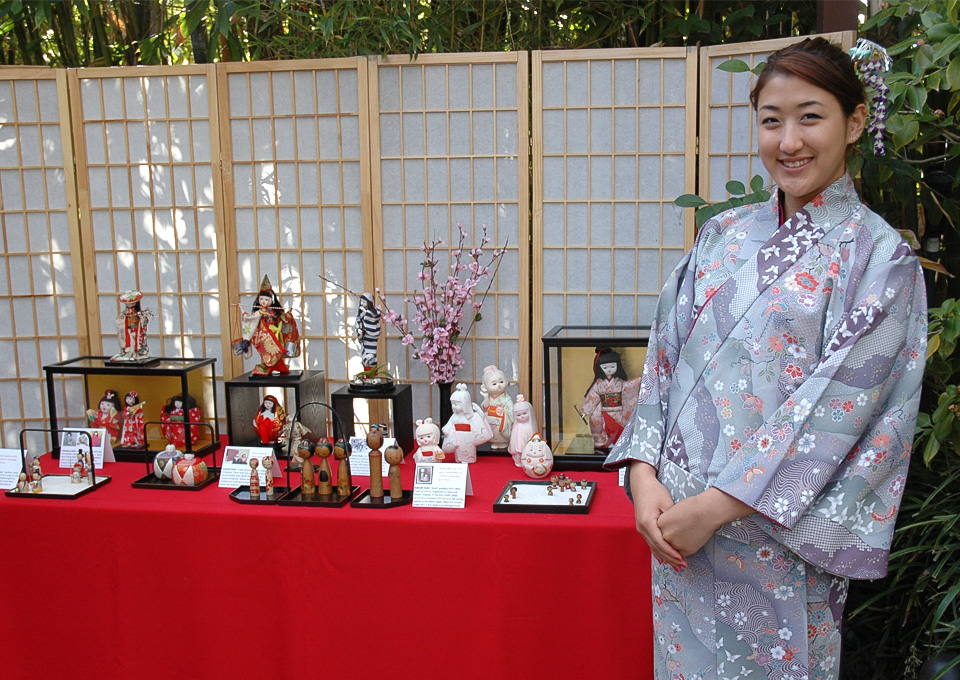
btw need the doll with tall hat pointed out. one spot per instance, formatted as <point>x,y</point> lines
<point>131,326</point>
<point>524,427</point>
<point>497,406</point>
<point>467,427</point>
<point>610,400</point>
<point>271,330</point>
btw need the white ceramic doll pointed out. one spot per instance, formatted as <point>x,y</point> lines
<point>537,458</point>
<point>524,427</point>
<point>467,427</point>
<point>497,406</point>
<point>428,442</point>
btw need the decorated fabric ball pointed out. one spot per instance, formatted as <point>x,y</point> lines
<point>189,471</point>
<point>164,461</point>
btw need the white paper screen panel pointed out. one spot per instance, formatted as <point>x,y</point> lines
<point>613,148</point>
<point>296,157</point>
<point>452,145</point>
<point>38,275</point>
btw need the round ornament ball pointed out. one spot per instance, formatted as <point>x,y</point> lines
<point>164,461</point>
<point>189,471</point>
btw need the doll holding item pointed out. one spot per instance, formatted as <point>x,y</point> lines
<point>467,427</point>
<point>107,415</point>
<point>131,435</point>
<point>269,421</point>
<point>497,406</point>
<point>611,399</point>
<point>524,427</point>
<point>428,442</point>
<point>271,330</point>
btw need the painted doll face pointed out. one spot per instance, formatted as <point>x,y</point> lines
<point>130,400</point>
<point>427,436</point>
<point>105,406</point>
<point>268,405</point>
<point>609,368</point>
<point>264,301</point>
<point>393,455</point>
<point>496,383</point>
<point>177,403</point>
<point>375,438</point>
<point>521,415</point>
<point>268,463</point>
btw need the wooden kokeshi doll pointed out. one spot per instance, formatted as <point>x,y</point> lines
<point>254,478</point>
<point>344,480</point>
<point>324,477</point>
<point>268,476</point>
<point>305,453</point>
<point>394,455</point>
<point>375,441</point>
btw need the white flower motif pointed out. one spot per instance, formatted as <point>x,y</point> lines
<point>718,386</point>
<point>780,505</point>
<point>785,634</point>
<point>783,592</point>
<point>802,410</point>
<point>777,652</point>
<point>729,430</point>
<point>682,300</point>
<point>739,618</point>
<point>797,351</point>
<point>806,496</point>
<point>706,355</point>
<point>911,365</point>
<point>723,600</point>
<point>819,412</point>
<point>828,663</point>
<point>742,384</point>
<point>861,399</point>
<point>889,292</point>
<point>806,442</point>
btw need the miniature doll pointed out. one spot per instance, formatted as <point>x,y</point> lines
<point>22,483</point>
<point>77,475</point>
<point>269,420</point>
<point>304,454</point>
<point>467,427</point>
<point>428,442</point>
<point>271,330</point>
<point>254,477</point>
<point>368,331</point>
<point>324,476</point>
<point>290,442</point>
<point>268,474</point>
<point>342,452</point>
<point>132,328</point>
<point>189,470</point>
<point>524,426</point>
<point>177,407</point>
<point>611,399</point>
<point>132,433</point>
<point>537,458</point>
<point>393,454</point>
<point>497,406</point>
<point>375,441</point>
<point>107,415</point>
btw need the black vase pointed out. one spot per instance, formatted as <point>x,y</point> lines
<point>446,410</point>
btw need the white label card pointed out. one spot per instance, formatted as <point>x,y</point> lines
<point>11,465</point>
<point>360,461</point>
<point>236,465</point>
<point>71,443</point>
<point>441,485</point>
<point>622,473</point>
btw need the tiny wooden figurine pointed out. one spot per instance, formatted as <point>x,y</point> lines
<point>375,441</point>
<point>537,459</point>
<point>497,406</point>
<point>428,442</point>
<point>89,469</point>
<point>467,427</point>
<point>189,470</point>
<point>268,474</point>
<point>131,326</point>
<point>393,454</point>
<point>269,421</point>
<point>254,464</point>
<point>304,454</point>
<point>77,475</point>
<point>324,477</point>
<point>344,479</point>
<point>132,435</point>
<point>610,400</point>
<point>524,427</point>
<point>107,415</point>
<point>179,408</point>
<point>271,330</point>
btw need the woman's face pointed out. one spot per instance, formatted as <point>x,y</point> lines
<point>802,134</point>
<point>609,368</point>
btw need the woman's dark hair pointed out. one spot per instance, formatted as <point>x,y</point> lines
<point>820,63</point>
<point>188,403</point>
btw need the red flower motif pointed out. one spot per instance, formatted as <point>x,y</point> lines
<point>794,371</point>
<point>848,406</point>
<point>735,445</point>
<point>818,201</point>
<point>806,280</point>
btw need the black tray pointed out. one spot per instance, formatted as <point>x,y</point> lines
<point>242,495</point>
<point>101,480</point>
<point>564,508</point>
<point>295,497</point>
<point>150,481</point>
<point>365,500</point>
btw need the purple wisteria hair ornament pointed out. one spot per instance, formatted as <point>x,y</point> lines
<point>872,62</point>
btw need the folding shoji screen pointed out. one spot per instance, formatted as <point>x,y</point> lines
<point>40,282</point>
<point>451,135</point>
<point>295,175</point>
<point>613,145</point>
<point>149,189</point>
<point>728,134</point>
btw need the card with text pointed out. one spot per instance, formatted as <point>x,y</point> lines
<point>72,442</point>
<point>441,485</point>
<point>236,465</point>
<point>11,465</point>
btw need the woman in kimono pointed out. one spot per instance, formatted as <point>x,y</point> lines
<point>770,445</point>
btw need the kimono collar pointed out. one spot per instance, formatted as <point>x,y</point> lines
<point>838,199</point>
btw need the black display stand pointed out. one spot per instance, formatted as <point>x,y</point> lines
<point>245,394</point>
<point>401,402</point>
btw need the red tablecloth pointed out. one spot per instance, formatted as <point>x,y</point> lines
<point>133,583</point>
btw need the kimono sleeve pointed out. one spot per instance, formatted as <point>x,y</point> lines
<point>831,489</point>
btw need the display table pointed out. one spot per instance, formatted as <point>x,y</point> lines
<point>158,584</point>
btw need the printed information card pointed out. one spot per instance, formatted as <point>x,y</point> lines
<point>441,485</point>
<point>72,443</point>
<point>11,465</point>
<point>236,465</point>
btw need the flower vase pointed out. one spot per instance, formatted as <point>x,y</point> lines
<point>446,410</point>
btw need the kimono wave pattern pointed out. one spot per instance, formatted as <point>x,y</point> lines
<point>784,369</point>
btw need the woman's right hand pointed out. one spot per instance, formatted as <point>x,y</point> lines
<point>650,500</point>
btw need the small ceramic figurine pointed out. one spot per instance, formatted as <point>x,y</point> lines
<point>428,442</point>
<point>177,407</point>
<point>298,430</point>
<point>368,330</point>
<point>254,477</point>
<point>324,476</point>
<point>271,330</point>
<point>467,427</point>
<point>611,399</point>
<point>524,427</point>
<point>269,421</point>
<point>107,415</point>
<point>393,454</point>
<point>375,441</point>
<point>132,436</point>
<point>22,483</point>
<point>304,454</point>
<point>344,479</point>
<point>77,475</point>
<point>497,406</point>
<point>537,459</point>
<point>189,470</point>
<point>35,469</point>
<point>164,461</point>
<point>36,483</point>
<point>131,326</point>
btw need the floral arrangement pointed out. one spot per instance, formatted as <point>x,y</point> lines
<point>441,304</point>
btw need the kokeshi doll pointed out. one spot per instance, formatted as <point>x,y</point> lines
<point>393,455</point>
<point>268,475</point>
<point>304,453</point>
<point>344,479</point>
<point>324,483</point>
<point>254,478</point>
<point>375,441</point>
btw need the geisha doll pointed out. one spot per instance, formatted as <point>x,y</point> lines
<point>179,407</point>
<point>271,330</point>
<point>131,436</point>
<point>132,328</point>
<point>107,415</point>
<point>269,420</point>
<point>467,427</point>
<point>611,399</point>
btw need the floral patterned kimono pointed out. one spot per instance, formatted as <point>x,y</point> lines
<point>784,369</point>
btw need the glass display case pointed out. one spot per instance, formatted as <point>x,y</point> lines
<point>591,380</point>
<point>155,384</point>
